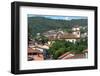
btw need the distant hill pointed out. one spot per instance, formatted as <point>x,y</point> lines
<point>41,24</point>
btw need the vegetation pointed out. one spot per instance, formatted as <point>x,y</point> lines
<point>41,39</point>
<point>59,47</point>
<point>41,24</point>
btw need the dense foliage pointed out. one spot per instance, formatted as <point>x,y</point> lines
<point>60,47</point>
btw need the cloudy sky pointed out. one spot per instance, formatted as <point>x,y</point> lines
<point>59,17</point>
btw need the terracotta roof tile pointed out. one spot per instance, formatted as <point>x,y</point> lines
<point>30,50</point>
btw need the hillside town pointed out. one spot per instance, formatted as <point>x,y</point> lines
<point>39,47</point>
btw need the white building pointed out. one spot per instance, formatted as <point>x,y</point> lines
<point>60,35</point>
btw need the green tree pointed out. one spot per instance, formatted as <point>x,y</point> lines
<point>57,48</point>
<point>60,47</point>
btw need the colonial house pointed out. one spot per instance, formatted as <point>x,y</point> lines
<point>35,54</point>
<point>38,52</point>
<point>60,35</point>
<point>69,55</point>
<point>72,56</point>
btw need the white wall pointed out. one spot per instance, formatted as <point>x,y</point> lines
<point>5,41</point>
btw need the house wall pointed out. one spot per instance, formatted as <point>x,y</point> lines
<point>71,40</point>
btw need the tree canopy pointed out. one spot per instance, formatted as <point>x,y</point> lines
<point>60,47</point>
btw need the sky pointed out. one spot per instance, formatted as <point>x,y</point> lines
<point>58,17</point>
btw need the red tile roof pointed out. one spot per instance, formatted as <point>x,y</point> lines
<point>64,36</point>
<point>70,55</point>
<point>30,50</point>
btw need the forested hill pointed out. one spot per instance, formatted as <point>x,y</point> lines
<point>42,24</point>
